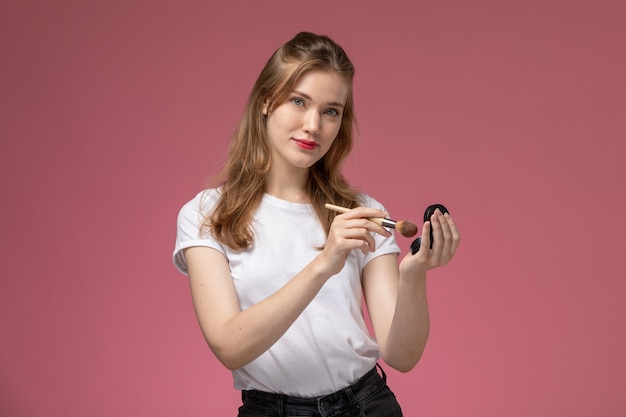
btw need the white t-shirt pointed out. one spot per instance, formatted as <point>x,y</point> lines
<point>328,347</point>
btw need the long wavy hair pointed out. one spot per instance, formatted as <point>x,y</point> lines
<point>243,176</point>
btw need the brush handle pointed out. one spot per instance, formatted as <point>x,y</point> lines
<point>338,209</point>
<point>378,220</point>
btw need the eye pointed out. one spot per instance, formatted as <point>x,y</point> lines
<point>332,112</point>
<point>297,101</point>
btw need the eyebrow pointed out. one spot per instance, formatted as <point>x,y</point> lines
<point>306,96</point>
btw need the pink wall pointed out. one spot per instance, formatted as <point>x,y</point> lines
<point>113,114</point>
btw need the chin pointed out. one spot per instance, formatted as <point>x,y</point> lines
<point>304,163</point>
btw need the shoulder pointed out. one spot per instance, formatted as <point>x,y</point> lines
<point>189,227</point>
<point>194,211</point>
<point>203,202</point>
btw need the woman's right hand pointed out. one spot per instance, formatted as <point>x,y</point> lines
<point>349,231</point>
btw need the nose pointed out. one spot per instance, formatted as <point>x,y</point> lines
<point>312,122</point>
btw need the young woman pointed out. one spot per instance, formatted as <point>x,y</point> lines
<point>277,280</point>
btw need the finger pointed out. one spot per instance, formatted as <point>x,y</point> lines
<point>346,245</point>
<point>358,212</point>
<point>437,239</point>
<point>363,235</point>
<point>348,238</point>
<point>363,223</point>
<point>425,244</point>
<point>366,212</point>
<point>365,248</point>
<point>446,253</point>
<point>373,215</point>
<point>456,236</point>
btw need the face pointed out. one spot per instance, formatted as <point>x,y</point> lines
<point>303,128</point>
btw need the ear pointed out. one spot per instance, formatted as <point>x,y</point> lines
<point>264,108</point>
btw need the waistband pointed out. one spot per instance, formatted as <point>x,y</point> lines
<point>368,385</point>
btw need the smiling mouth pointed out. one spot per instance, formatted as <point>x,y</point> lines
<point>306,144</point>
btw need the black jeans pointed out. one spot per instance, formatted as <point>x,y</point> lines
<point>368,397</point>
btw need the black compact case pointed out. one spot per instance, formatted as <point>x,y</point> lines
<point>430,210</point>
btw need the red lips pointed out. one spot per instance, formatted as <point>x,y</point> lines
<point>306,144</point>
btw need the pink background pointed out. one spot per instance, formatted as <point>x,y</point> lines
<point>114,113</point>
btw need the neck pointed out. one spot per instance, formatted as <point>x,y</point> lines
<point>291,187</point>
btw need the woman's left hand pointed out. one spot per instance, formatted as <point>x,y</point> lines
<point>446,239</point>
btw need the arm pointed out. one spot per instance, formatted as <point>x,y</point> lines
<point>237,337</point>
<point>396,297</point>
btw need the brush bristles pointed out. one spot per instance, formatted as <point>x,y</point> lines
<point>406,229</point>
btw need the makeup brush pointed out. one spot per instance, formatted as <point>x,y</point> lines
<point>405,228</point>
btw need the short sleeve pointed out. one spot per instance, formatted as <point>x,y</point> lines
<point>188,223</point>
<point>384,245</point>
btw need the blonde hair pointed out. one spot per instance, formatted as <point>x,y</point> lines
<point>244,173</point>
